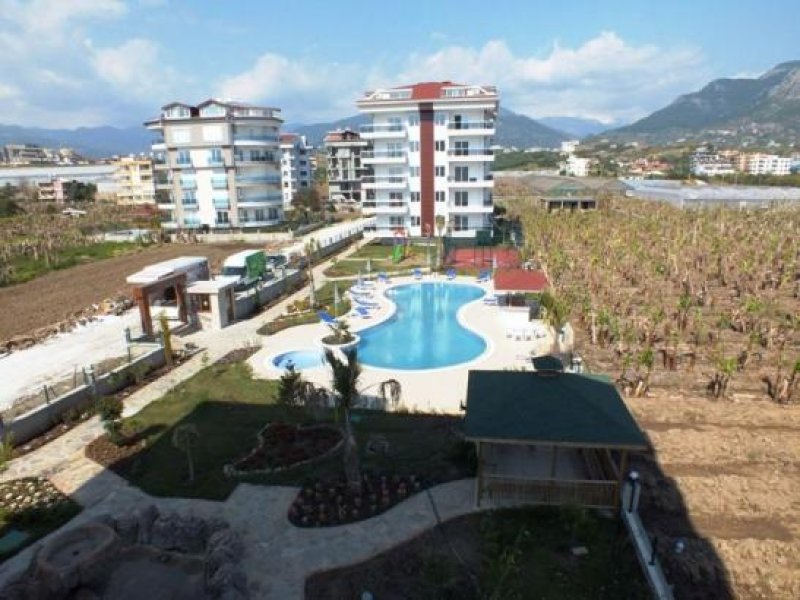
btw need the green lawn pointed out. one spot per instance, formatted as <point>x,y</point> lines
<point>228,407</point>
<point>27,268</point>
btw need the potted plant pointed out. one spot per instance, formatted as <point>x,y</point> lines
<point>340,338</point>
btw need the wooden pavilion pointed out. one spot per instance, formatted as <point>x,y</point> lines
<point>549,437</point>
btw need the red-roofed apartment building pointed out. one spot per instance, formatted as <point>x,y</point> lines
<point>430,157</point>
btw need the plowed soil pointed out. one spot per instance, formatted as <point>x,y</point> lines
<point>726,478</point>
<point>59,294</point>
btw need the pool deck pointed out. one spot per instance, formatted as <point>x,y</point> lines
<point>440,390</point>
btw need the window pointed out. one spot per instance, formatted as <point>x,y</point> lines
<point>183,158</point>
<point>440,171</point>
<point>415,221</point>
<point>439,196</point>
<point>414,196</point>
<point>462,149</point>
<point>273,214</point>
<point>189,198</point>
<point>440,119</point>
<point>215,156</point>
<point>413,171</point>
<point>413,146</point>
<point>260,214</point>
<point>460,223</point>
<point>413,121</point>
<point>395,124</point>
<point>181,135</point>
<point>223,216</point>
<point>396,221</point>
<point>439,145</point>
<point>462,198</point>
<point>462,174</point>
<point>212,110</point>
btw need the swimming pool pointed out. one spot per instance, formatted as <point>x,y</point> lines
<point>301,359</point>
<point>424,332</point>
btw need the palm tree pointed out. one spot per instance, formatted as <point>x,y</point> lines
<point>440,224</point>
<point>556,312</point>
<point>185,437</point>
<point>345,384</point>
<point>311,246</point>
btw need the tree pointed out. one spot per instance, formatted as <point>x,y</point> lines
<point>556,313</point>
<point>76,191</point>
<point>307,199</point>
<point>290,386</point>
<point>185,437</point>
<point>440,225</point>
<point>109,409</point>
<point>311,247</point>
<point>345,382</point>
<point>390,390</point>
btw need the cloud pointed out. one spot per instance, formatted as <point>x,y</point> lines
<point>604,78</point>
<point>135,68</point>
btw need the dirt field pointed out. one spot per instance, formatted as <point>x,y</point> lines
<point>727,471</point>
<point>52,297</point>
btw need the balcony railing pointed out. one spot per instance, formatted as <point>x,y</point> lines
<point>261,199</point>
<point>388,127</point>
<point>188,185</point>
<point>255,137</point>
<point>384,179</point>
<point>470,152</point>
<point>183,162</point>
<point>470,179</point>
<point>156,141</point>
<point>219,184</point>
<point>470,125</point>
<point>242,158</point>
<point>221,204</point>
<point>383,154</point>
<point>258,180</point>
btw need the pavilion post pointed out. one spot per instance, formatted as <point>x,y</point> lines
<point>623,467</point>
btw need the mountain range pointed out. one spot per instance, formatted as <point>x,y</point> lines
<point>734,111</point>
<point>92,142</point>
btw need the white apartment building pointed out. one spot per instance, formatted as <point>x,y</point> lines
<point>134,178</point>
<point>768,164</point>
<point>711,165</point>
<point>296,170</point>
<point>344,151</point>
<point>217,165</point>
<point>431,158</point>
<point>576,166</point>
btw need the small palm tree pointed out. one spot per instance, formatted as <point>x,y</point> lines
<point>185,437</point>
<point>311,247</point>
<point>556,313</point>
<point>345,384</point>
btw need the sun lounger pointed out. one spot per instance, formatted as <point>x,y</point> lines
<point>364,302</point>
<point>417,274</point>
<point>451,274</point>
<point>363,312</point>
<point>490,300</point>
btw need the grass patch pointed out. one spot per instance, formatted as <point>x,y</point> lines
<point>27,268</point>
<point>300,313</point>
<point>228,407</point>
<point>509,554</point>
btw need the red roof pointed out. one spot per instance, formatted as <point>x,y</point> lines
<point>519,280</point>
<point>427,90</point>
<point>288,137</point>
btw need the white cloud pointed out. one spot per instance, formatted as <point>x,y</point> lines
<point>135,68</point>
<point>604,78</point>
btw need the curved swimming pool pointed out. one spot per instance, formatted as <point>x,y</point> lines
<point>301,359</point>
<point>424,332</point>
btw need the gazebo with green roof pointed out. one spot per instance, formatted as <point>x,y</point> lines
<point>549,437</point>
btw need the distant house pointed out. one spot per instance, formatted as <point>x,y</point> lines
<point>549,437</point>
<point>569,195</point>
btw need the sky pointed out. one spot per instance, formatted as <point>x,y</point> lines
<point>73,63</point>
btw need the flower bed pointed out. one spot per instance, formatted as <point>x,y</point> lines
<point>284,446</point>
<point>322,504</point>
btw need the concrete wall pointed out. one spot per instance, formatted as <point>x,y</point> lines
<point>249,301</point>
<point>41,419</point>
<point>246,238</point>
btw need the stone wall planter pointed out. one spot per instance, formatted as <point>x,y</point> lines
<point>340,347</point>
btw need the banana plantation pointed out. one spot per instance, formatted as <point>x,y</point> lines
<point>695,301</point>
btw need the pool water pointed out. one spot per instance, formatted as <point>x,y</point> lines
<point>424,333</point>
<point>302,359</point>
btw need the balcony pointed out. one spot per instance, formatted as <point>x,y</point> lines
<point>471,208</point>
<point>471,182</point>
<point>244,159</point>
<point>470,127</point>
<point>384,131</point>
<point>384,157</point>
<point>190,206</point>
<point>222,224</point>
<point>255,139</point>
<point>470,155</point>
<point>188,184</point>
<point>219,183</point>
<point>259,200</point>
<point>170,224</point>
<point>254,223</point>
<point>158,143</point>
<point>389,182</point>
<point>258,180</point>
<point>192,222</point>
<point>183,162</point>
